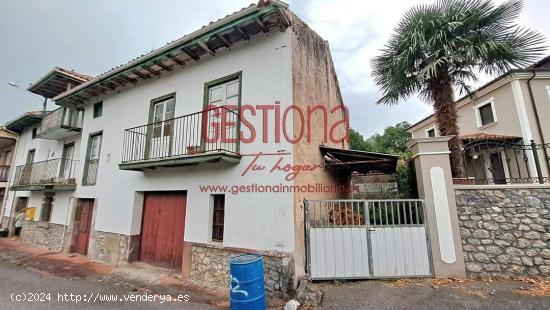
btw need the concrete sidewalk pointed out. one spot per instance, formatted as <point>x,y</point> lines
<point>136,277</point>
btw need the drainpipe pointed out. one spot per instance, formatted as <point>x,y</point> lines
<point>537,119</point>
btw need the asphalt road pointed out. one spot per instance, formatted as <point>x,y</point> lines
<point>37,290</point>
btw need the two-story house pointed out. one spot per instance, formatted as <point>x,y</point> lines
<point>498,124</point>
<point>199,150</point>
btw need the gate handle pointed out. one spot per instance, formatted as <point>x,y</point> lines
<point>372,229</point>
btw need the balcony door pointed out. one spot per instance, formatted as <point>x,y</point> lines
<point>66,169</point>
<point>162,128</point>
<point>224,98</point>
<point>26,172</point>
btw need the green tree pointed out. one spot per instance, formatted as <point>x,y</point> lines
<point>392,141</point>
<point>357,141</point>
<point>440,46</point>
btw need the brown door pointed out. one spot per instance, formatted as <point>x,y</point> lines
<point>162,229</point>
<point>83,223</point>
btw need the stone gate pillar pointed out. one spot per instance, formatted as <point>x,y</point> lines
<point>435,186</point>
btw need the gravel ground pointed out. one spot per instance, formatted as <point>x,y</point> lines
<point>433,294</point>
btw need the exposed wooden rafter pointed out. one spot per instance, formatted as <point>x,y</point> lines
<point>176,60</point>
<point>191,54</point>
<point>129,79</point>
<point>262,25</point>
<point>224,41</point>
<point>206,48</point>
<point>242,33</point>
<point>163,66</point>
<point>108,85</point>
<point>141,75</point>
<point>151,70</point>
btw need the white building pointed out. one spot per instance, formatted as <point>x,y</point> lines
<point>118,173</point>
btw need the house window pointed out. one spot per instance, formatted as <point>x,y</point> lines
<point>430,133</point>
<point>98,109</point>
<point>485,113</point>
<point>162,117</point>
<point>224,92</point>
<point>46,211</point>
<point>218,217</point>
<point>92,159</point>
<point>34,131</point>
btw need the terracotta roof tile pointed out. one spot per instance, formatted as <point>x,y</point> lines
<point>486,136</point>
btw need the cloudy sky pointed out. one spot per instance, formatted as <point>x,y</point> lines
<point>93,36</point>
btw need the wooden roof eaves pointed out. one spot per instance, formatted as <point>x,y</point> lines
<point>162,52</point>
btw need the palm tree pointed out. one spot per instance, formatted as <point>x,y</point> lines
<point>441,46</point>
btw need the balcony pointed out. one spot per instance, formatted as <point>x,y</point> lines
<point>208,136</point>
<point>54,174</point>
<point>61,123</point>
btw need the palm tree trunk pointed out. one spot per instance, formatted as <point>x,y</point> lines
<point>446,118</point>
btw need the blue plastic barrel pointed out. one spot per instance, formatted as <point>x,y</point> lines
<point>247,282</point>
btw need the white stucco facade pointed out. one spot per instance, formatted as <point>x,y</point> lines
<point>259,221</point>
<point>44,150</point>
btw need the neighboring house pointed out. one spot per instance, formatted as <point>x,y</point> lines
<point>45,159</point>
<point>7,145</point>
<point>499,123</point>
<point>134,175</point>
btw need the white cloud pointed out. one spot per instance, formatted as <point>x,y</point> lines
<point>357,30</point>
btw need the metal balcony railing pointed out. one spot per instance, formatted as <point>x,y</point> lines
<point>211,130</point>
<point>4,171</point>
<point>49,172</point>
<point>63,118</point>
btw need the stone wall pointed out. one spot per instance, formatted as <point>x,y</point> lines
<point>5,221</point>
<point>43,234</point>
<point>114,248</point>
<point>505,232</point>
<point>210,265</point>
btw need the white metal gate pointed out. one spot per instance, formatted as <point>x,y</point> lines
<point>361,239</point>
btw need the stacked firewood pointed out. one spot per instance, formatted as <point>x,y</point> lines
<point>345,215</point>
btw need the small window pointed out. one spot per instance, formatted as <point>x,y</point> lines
<point>46,212</point>
<point>98,109</point>
<point>34,131</point>
<point>486,115</point>
<point>218,217</point>
<point>430,133</point>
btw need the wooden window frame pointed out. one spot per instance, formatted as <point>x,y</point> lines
<point>218,207</point>
<point>151,119</point>
<point>87,158</point>
<point>225,79</point>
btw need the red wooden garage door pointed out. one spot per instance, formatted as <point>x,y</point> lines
<point>162,229</point>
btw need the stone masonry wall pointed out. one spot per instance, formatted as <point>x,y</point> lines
<point>505,232</point>
<point>43,234</point>
<point>114,248</point>
<point>210,265</point>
